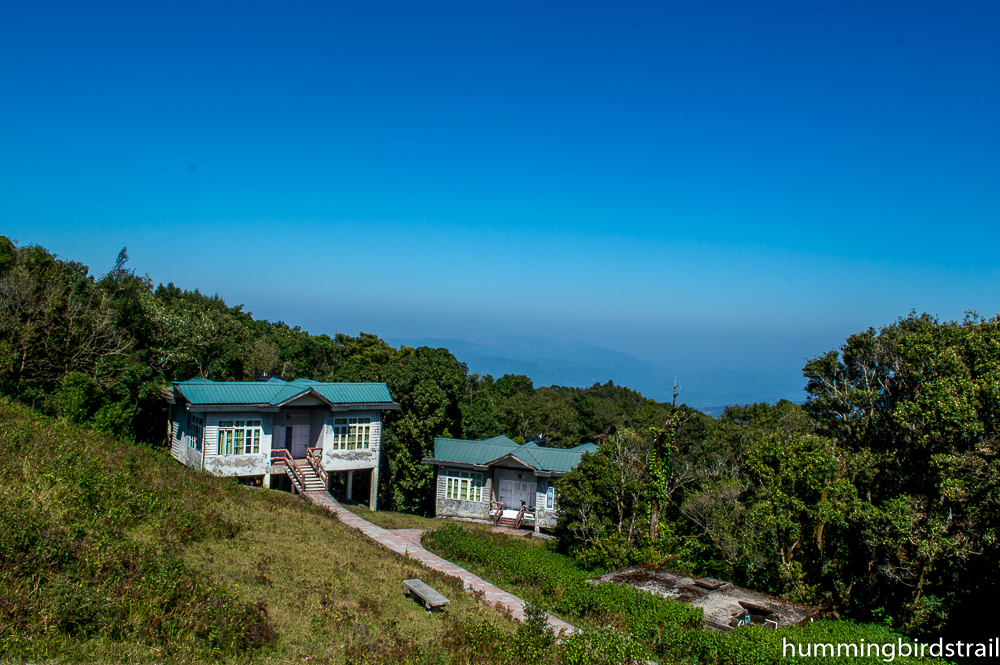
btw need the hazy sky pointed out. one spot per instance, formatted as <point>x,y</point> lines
<point>705,184</point>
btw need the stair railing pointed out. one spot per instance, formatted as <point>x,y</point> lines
<point>282,456</point>
<point>299,476</point>
<point>520,517</point>
<point>496,510</point>
<point>315,458</point>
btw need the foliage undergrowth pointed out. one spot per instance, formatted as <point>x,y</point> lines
<point>622,623</point>
<point>559,583</point>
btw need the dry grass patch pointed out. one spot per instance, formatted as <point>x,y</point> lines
<point>327,586</point>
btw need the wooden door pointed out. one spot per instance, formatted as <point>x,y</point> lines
<point>523,493</point>
<point>300,440</point>
<point>530,489</point>
<point>506,493</point>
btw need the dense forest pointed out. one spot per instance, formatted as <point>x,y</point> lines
<point>878,499</point>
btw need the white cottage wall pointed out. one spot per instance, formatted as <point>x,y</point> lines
<point>254,464</point>
<point>350,460</point>
<point>468,511</point>
<point>180,445</point>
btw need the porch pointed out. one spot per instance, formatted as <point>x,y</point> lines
<point>308,474</point>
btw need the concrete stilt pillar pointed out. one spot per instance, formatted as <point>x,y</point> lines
<point>350,484</point>
<point>373,500</point>
<point>266,482</point>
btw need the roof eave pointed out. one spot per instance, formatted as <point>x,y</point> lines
<point>464,465</point>
<point>265,408</point>
<point>363,406</point>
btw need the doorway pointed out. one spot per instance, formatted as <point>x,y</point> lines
<point>515,493</point>
<point>297,440</point>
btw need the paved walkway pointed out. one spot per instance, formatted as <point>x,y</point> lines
<point>521,533</point>
<point>407,541</point>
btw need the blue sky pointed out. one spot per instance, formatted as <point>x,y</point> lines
<point>704,185</point>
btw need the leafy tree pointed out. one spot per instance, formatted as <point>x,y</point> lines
<point>920,396</point>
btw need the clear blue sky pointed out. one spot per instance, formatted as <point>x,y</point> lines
<point>705,184</point>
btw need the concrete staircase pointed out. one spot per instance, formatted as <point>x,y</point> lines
<point>511,519</point>
<point>313,483</point>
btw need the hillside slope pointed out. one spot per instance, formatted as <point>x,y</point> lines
<point>113,552</point>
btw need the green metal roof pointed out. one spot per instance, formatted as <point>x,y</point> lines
<point>490,451</point>
<point>275,392</point>
<point>348,393</point>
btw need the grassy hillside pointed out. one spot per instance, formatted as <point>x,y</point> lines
<point>113,552</point>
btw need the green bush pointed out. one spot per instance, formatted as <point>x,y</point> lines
<point>601,646</point>
<point>559,584</point>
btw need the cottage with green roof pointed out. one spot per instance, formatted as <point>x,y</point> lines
<point>304,429</point>
<point>500,481</point>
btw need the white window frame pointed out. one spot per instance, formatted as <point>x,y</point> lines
<point>351,433</point>
<point>550,497</point>
<point>196,430</point>
<point>463,485</point>
<point>239,437</point>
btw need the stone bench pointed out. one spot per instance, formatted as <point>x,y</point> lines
<point>431,598</point>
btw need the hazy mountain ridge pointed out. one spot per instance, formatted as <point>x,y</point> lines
<point>577,364</point>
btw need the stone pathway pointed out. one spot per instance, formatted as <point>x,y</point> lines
<point>411,536</point>
<point>407,541</point>
<point>521,533</point>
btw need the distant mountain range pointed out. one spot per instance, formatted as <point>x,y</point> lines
<point>549,362</point>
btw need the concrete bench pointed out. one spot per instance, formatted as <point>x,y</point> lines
<point>430,597</point>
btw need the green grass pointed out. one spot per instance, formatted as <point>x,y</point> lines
<point>114,552</point>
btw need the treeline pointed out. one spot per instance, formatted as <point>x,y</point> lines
<point>878,500</point>
<point>98,349</point>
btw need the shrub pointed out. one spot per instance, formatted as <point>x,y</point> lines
<point>559,583</point>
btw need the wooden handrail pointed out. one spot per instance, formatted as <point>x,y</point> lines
<point>520,517</point>
<point>498,507</point>
<point>315,458</point>
<point>297,472</point>
<point>282,456</point>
